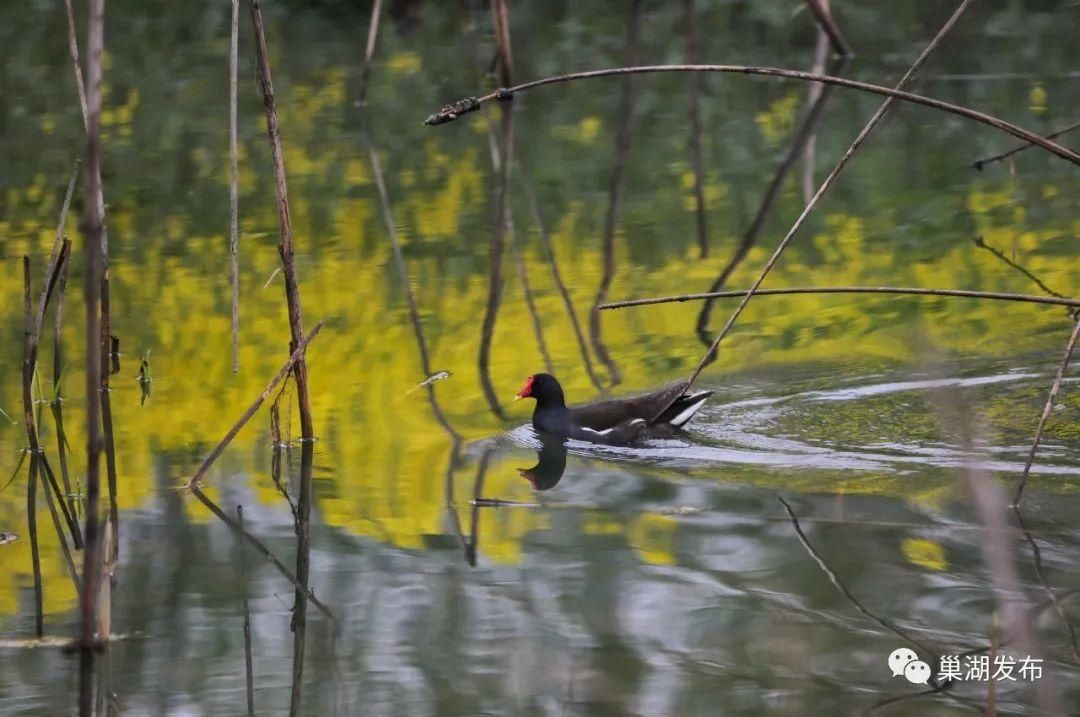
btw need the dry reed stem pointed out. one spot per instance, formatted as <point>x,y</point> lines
<point>556,275</point>
<point>1047,409</point>
<point>627,102</point>
<point>828,25</point>
<point>452,111</point>
<point>829,180</point>
<point>369,51</point>
<point>801,135</point>
<point>93,231</point>
<point>234,179</point>
<point>73,50</point>
<point>248,668</point>
<point>690,55</point>
<point>498,233</point>
<point>242,421</point>
<point>285,248</point>
<point>915,291</point>
<point>980,163</point>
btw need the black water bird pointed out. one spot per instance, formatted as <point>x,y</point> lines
<point>616,422</point>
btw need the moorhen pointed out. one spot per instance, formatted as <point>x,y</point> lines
<point>617,422</point>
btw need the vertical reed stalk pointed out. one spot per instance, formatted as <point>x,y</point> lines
<point>234,179</point>
<point>93,231</point>
<point>500,15</point>
<point>248,670</point>
<point>627,101</point>
<point>369,51</point>
<point>285,248</point>
<point>303,565</point>
<point>690,56</point>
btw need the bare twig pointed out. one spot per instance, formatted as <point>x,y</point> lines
<point>403,275</point>
<point>248,670</point>
<point>1050,594</point>
<point>50,493</point>
<point>1047,409</point>
<point>1001,255</point>
<point>234,194</point>
<point>93,229</point>
<point>690,55</point>
<point>828,25</point>
<point>242,421</point>
<point>261,549</point>
<point>993,295</point>
<point>627,101</point>
<point>369,51</point>
<point>73,50</point>
<point>451,112</point>
<point>518,258</point>
<point>285,248</point>
<point>498,233</point>
<point>802,134</point>
<point>829,180</point>
<point>556,275</point>
<point>500,17</point>
<point>303,565</point>
<point>980,163</point>
<point>821,54</point>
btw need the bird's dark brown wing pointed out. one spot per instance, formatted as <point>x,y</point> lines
<point>602,415</point>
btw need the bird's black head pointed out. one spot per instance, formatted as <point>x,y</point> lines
<point>544,388</point>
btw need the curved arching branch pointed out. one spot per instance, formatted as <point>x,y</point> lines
<point>469,104</point>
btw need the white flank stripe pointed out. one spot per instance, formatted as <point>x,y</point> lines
<point>688,412</point>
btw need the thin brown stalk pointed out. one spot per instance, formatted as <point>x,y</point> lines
<point>690,55</point>
<point>93,231</point>
<point>517,257</point>
<point>500,16</point>
<point>1047,409</point>
<point>980,163</point>
<point>369,51</point>
<point>1051,595</point>
<point>297,355</point>
<point>495,258</point>
<point>303,567</point>
<point>292,287</point>
<point>452,111</point>
<point>814,110</point>
<point>248,669</point>
<point>73,50</point>
<point>627,102</point>
<point>979,242</point>
<point>260,548</point>
<point>234,193</point>
<point>829,180</point>
<point>915,291</point>
<point>35,553</point>
<point>821,55</point>
<point>828,25</point>
<point>556,275</point>
<point>69,515</point>
<point>51,491</point>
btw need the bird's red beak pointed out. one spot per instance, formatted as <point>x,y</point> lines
<point>526,390</point>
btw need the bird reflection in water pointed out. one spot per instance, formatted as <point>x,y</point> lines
<point>550,464</point>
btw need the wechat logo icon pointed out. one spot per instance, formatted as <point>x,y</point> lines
<point>903,662</point>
